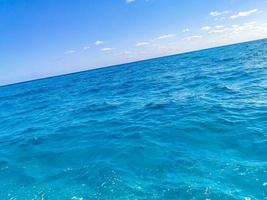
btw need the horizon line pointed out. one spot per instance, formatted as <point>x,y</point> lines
<point>131,62</point>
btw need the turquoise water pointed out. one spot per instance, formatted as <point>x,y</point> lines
<point>190,126</point>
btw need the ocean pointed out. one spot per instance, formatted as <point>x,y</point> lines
<point>186,127</point>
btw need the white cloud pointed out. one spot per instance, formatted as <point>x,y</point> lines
<point>70,52</point>
<point>185,30</point>
<point>249,30</point>
<point>206,28</point>
<point>219,27</point>
<point>106,49</point>
<point>98,42</point>
<point>139,44</point>
<point>217,13</point>
<point>214,29</point>
<point>129,1</point>
<point>248,26</point>
<point>165,36</point>
<point>244,13</point>
<point>86,47</point>
<point>192,37</point>
<point>218,31</point>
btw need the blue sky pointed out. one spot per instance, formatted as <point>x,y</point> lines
<point>46,38</point>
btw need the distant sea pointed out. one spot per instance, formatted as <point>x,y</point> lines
<point>185,127</point>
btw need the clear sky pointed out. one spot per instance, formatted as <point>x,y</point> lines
<point>40,38</point>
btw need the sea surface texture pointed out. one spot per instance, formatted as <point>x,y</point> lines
<point>184,127</point>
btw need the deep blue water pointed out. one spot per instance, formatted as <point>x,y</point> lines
<point>190,126</point>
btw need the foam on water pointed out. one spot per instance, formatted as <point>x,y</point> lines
<point>190,126</point>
